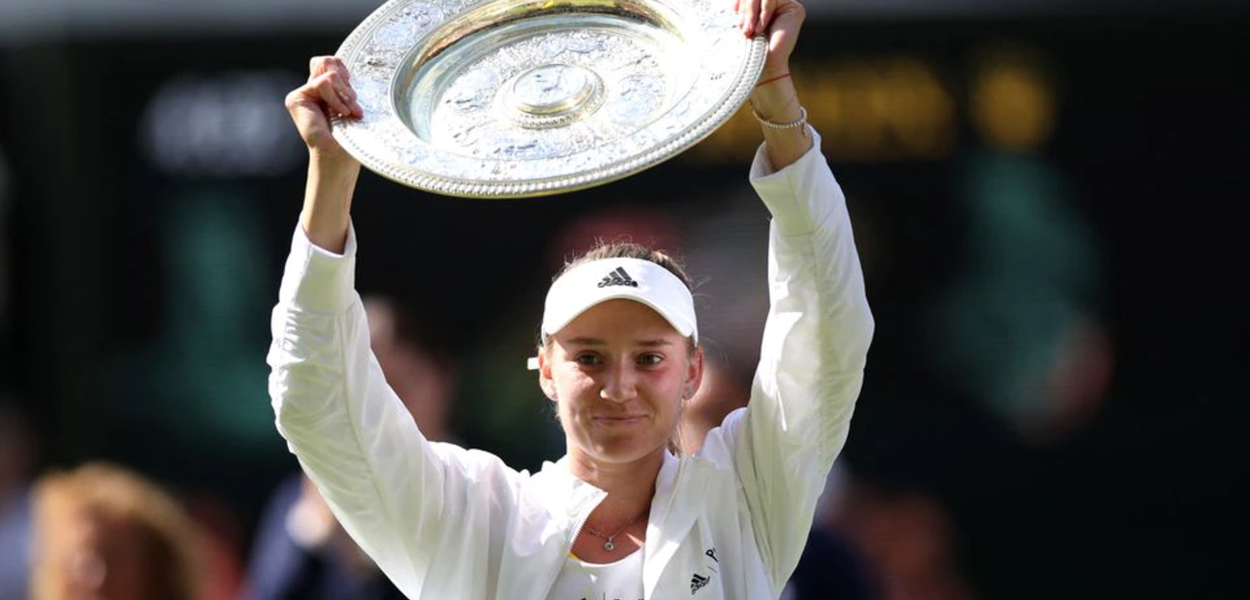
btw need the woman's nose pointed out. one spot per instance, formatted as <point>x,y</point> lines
<point>619,384</point>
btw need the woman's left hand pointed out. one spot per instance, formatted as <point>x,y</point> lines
<point>779,21</point>
<point>774,97</point>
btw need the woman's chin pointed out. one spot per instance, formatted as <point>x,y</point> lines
<point>625,451</point>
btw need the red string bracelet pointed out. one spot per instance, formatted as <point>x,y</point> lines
<point>772,79</point>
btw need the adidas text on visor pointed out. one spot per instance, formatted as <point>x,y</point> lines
<point>589,284</point>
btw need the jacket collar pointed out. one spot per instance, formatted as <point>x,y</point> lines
<point>675,508</point>
<point>565,496</point>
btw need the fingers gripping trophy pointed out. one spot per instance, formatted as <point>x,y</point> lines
<point>624,513</point>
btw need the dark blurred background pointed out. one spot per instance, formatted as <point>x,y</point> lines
<point>1047,198</point>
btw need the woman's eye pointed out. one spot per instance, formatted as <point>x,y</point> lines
<point>587,359</point>
<point>650,359</point>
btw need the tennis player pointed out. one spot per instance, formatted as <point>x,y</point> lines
<point>620,516</point>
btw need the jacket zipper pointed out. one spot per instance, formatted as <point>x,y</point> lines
<point>573,540</point>
<point>577,532</point>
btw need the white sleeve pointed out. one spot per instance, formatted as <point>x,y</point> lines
<point>815,345</point>
<point>385,482</point>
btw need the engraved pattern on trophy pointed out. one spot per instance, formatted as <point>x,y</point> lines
<point>519,97</point>
<point>552,94</point>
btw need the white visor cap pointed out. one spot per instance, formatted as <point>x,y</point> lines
<point>588,284</point>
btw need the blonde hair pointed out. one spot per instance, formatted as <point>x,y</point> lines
<point>167,535</point>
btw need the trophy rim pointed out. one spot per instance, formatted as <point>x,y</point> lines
<point>361,141</point>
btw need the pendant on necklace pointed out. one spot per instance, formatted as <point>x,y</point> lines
<point>609,546</point>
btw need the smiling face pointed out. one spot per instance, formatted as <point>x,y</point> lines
<point>619,374</point>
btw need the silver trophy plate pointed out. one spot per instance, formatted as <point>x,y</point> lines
<point>513,98</point>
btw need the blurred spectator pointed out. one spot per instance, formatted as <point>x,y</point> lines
<point>17,460</point>
<point>301,552</point>
<point>909,539</point>
<point>106,533</point>
<point>415,363</point>
<point>835,564</point>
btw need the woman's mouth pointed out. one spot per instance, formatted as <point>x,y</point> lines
<point>620,421</point>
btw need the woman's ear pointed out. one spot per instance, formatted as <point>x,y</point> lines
<point>694,377</point>
<point>545,380</point>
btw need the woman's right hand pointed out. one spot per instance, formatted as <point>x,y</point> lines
<point>328,92</point>
<point>332,172</point>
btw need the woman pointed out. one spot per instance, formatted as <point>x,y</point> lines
<point>106,533</point>
<point>619,516</point>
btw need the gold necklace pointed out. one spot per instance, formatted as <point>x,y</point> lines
<point>608,545</point>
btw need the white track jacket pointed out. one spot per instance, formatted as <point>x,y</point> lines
<point>446,523</point>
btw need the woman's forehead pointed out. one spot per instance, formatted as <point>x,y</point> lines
<point>616,320</point>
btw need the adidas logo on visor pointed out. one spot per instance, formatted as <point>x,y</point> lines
<point>618,277</point>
